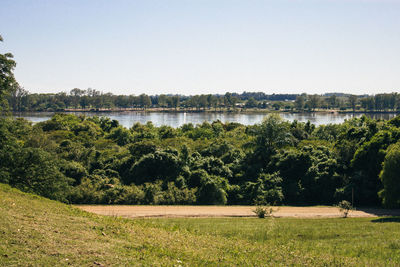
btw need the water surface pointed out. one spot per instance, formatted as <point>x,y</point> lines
<point>127,119</point>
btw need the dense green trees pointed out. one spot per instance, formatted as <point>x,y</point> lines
<point>390,176</point>
<point>95,160</point>
<point>367,164</point>
<point>37,171</point>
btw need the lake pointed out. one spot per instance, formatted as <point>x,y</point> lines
<point>127,119</point>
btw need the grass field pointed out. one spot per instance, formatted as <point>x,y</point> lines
<point>38,232</point>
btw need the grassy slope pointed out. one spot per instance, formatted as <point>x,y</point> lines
<point>36,231</point>
<point>365,240</point>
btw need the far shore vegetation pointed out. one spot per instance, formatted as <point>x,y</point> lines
<point>93,100</point>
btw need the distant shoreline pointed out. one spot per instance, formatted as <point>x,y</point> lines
<point>238,111</point>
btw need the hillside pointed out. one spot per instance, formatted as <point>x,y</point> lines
<point>40,232</point>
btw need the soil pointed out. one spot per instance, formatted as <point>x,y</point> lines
<point>131,211</point>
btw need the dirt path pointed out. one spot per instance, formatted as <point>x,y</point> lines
<point>227,211</point>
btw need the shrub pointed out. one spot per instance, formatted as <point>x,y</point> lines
<point>174,195</point>
<point>345,207</point>
<point>263,211</point>
<point>212,191</point>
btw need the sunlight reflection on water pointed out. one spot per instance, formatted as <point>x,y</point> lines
<point>127,119</point>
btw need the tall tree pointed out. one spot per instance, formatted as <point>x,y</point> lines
<point>228,100</point>
<point>353,102</point>
<point>299,102</point>
<point>76,93</point>
<point>213,101</point>
<point>272,134</point>
<point>7,79</point>
<point>203,101</point>
<point>314,101</point>
<point>251,103</point>
<point>17,96</point>
<point>393,101</point>
<point>144,101</point>
<point>175,101</point>
<point>162,101</point>
<point>390,177</point>
<point>332,101</point>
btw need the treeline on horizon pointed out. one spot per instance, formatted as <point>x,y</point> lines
<point>94,160</point>
<point>91,99</point>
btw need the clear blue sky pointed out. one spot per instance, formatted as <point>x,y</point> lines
<point>204,46</point>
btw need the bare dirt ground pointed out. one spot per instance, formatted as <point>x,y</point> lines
<point>130,211</point>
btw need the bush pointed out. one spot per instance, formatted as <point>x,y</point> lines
<point>265,190</point>
<point>160,165</point>
<point>345,207</point>
<point>174,195</point>
<point>212,191</point>
<point>263,211</point>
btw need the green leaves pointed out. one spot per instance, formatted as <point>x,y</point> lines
<point>100,161</point>
<point>272,134</point>
<point>390,177</point>
<point>7,79</point>
<point>37,171</point>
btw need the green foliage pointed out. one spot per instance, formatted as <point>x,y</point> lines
<point>7,79</point>
<point>175,195</point>
<point>212,191</point>
<point>60,122</point>
<point>345,207</point>
<point>120,135</point>
<point>139,149</point>
<point>95,160</point>
<point>74,170</point>
<point>273,133</point>
<point>34,170</point>
<point>151,167</point>
<point>309,174</point>
<point>367,164</point>
<point>93,100</point>
<point>390,177</point>
<point>141,132</point>
<point>267,189</point>
<point>263,211</point>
